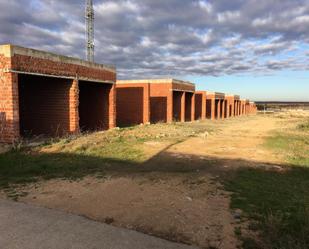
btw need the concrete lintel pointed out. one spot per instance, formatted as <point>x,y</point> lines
<point>60,76</point>
<point>181,90</point>
<point>219,95</point>
<point>155,81</point>
<point>6,50</point>
<point>210,95</point>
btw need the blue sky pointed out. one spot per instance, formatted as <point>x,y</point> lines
<point>258,49</point>
<point>282,86</point>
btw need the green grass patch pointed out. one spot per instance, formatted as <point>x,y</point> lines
<point>115,151</point>
<point>294,147</point>
<point>279,202</point>
<point>304,126</point>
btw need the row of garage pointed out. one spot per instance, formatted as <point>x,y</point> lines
<point>53,95</point>
<point>169,100</point>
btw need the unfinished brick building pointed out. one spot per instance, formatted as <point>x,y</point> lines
<point>154,100</point>
<point>236,105</point>
<point>243,107</point>
<point>210,105</point>
<point>45,93</point>
<point>215,105</point>
<point>230,110</point>
<point>252,108</point>
<point>200,105</point>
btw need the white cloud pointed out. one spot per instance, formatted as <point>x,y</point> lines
<point>153,38</point>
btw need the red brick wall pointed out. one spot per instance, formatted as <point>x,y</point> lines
<point>164,91</point>
<point>222,109</point>
<point>44,105</point>
<point>158,109</point>
<point>9,97</point>
<point>198,105</point>
<point>177,97</point>
<point>130,105</point>
<point>188,107</point>
<point>93,106</point>
<point>111,106</point>
<point>8,102</point>
<point>44,66</point>
<point>210,108</point>
<point>218,109</point>
<point>74,103</point>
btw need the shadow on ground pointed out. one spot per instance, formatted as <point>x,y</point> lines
<point>274,197</point>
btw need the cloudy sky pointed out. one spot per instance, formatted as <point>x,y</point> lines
<point>258,48</point>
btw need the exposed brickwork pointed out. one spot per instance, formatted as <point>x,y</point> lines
<point>96,96</point>
<point>166,98</point>
<point>8,102</point>
<point>230,105</point>
<point>200,105</point>
<point>218,109</point>
<point>43,66</point>
<point>46,88</point>
<point>189,106</point>
<point>44,105</point>
<point>133,105</point>
<point>111,94</point>
<point>74,103</point>
<point>178,98</point>
<point>242,107</point>
<point>211,106</point>
<point>223,109</point>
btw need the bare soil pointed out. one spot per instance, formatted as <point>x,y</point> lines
<point>185,202</point>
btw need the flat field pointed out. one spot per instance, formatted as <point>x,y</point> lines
<point>241,182</point>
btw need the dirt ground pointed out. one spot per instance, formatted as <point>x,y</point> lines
<point>185,202</point>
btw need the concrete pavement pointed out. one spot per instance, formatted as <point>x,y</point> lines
<point>24,226</point>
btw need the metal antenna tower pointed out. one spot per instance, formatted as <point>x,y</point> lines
<point>89,14</point>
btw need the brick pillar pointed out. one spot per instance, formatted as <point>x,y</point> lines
<point>146,103</point>
<point>235,108</point>
<point>9,107</point>
<point>112,107</point>
<point>193,107</point>
<point>169,111</point>
<point>204,106</point>
<point>238,108</point>
<point>213,109</point>
<point>183,107</point>
<point>74,102</point>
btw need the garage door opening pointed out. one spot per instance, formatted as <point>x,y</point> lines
<point>217,108</point>
<point>198,106</point>
<point>209,108</point>
<point>158,109</point>
<point>93,106</point>
<point>177,105</point>
<point>130,106</point>
<point>221,109</point>
<point>43,105</point>
<point>188,108</point>
<point>226,108</point>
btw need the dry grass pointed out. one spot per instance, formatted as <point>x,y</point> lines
<point>288,114</point>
